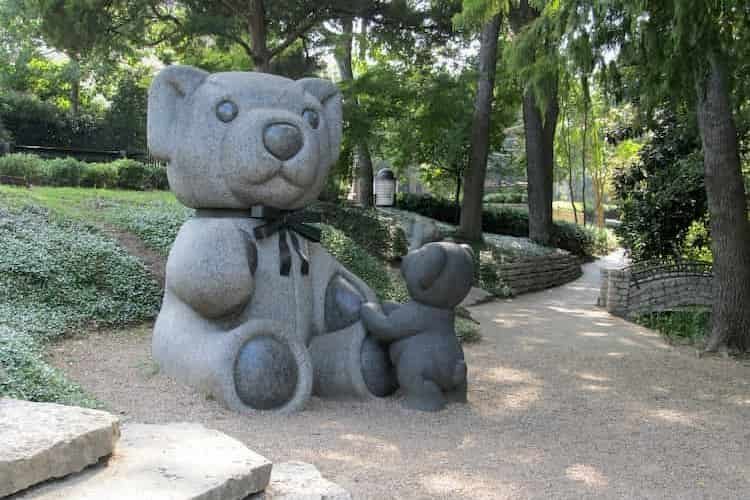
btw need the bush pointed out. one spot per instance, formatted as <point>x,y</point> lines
<point>100,175</point>
<point>23,165</point>
<point>579,240</point>
<point>132,175</point>
<point>378,235</point>
<point>506,197</point>
<point>124,173</point>
<point>679,327</point>
<point>63,172</point>
<point>662,194</point>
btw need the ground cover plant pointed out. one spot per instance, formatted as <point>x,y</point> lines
<point>58,276</point>
<point>679,327</point>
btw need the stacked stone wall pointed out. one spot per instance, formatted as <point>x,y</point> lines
<point>668,291</point>
<point>540,273</point>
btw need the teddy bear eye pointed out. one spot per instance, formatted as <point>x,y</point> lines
<point>311,117</point>
<point>226,110</point>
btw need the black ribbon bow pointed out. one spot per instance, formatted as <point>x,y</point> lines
<point>283,222</point>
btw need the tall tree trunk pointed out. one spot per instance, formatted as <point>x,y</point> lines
<point>470,226</point>
<point>540,162</point>
<point>256,25</point>
<point>569,155</point>
<point>364,174</point>
<point>586,103</point>
<point>75,86</point>
<point>458,194</point>
<point>727,206</point>
<point>362,157</point>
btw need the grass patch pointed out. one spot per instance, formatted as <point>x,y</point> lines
<point>679,327</point>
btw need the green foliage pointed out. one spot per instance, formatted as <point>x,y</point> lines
<point>662,195</point>
<point>506,197</point>
<point>56,277</point>
<point>680,327</point>
<point>583,241</point>
<point>125,119</point>
<point>378,235</point>
<point>25,375</point>
<point>22,165</point>
<point>100,175</point>
<point>124,173</point>
<point>387,283</point>
<point>155,223</point>
<point>132,174</point>
<point>62,172</point>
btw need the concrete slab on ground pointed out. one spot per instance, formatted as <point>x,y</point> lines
<point>41,441</point>
<point>300,481</point>
<point>166,462</point>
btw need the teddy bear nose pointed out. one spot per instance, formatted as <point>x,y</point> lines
<point>282,140</point>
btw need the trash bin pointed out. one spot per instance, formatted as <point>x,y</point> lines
<point>385,188</point>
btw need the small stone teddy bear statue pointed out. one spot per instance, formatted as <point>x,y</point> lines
<point>256,313</point>
<point>429,360</point>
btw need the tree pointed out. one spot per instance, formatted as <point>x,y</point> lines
<point>470,225</point>
<point>693,52</point>
<point>362,157</point>
<point>80,29</point>
<point>487,15</point>
<point>535,55</point>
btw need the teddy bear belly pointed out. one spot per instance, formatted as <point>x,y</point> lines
<point>285,299</point>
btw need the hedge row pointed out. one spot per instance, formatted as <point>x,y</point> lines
<point>124,173</point>
<point>579,240</point>
<point>504,197</point>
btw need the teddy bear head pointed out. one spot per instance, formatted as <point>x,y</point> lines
<point>238,139</point>
<point>439,274</point>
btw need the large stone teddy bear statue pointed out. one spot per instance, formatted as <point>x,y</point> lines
<point>429,360</point>
<point>255,312</point>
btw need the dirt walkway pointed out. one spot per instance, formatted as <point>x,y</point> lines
<point>565,402</point>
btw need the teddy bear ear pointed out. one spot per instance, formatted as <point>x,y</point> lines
<point>431,264</point>
<point>329,96</point>
<point>168,90</point>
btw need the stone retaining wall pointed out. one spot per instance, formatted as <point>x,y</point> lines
<point>668,291</point>
<point>540,272</point>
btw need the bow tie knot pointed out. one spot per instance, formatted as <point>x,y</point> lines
<point>286,222</point>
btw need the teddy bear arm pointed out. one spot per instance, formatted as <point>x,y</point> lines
<point>214,280</point>
<point>398,324</point>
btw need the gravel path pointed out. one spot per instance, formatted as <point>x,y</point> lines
<point>565,402</point>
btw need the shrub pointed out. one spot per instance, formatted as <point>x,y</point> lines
<point>506,197</point>
<point>133,175</point>
<point>63,172</point>
<point>579,240</point>
<point>680,327</point>
<point>662,194</point>
<point>23,165</point>
<point>158,176</point>
<point>100,175</point>
<point>386,283</point>
<point>377,234</point>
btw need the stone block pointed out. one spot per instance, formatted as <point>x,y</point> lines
<point>41,441</point>
<point>166,462</point>
<point>300,481</point>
